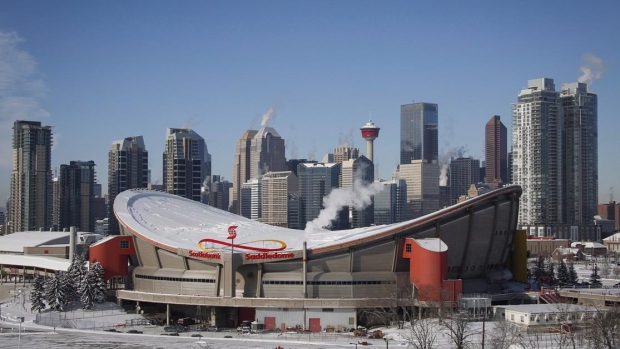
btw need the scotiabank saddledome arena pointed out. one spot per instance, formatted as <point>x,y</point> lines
<point>194,260</point>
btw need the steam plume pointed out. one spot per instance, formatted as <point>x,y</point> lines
<point>592,68</point>
<point>266,117</point>
<point>444,161</point>
<point>359,196</point>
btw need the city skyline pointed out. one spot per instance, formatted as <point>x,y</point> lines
<point>323,67</point>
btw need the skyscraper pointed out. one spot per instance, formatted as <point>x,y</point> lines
<point>276,192</point>
<point>76,196</point>
<point>317,180</point>
<point>267,152</point>
<point>496,152</point>
<point>580,160</point>
<point>31,178</point>
<point>128,168</point>
<point>241,168</point>
<point>345,153</point>
<point>390,204</point>
<point>463,173</point>
<point>419,139</point>
<point>422,180</point>
<point>537,152</point>
<point>257,152</point>
<point>187,163</point>
<point>251,199</point>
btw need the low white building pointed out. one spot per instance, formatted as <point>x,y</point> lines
<point>546,314</point>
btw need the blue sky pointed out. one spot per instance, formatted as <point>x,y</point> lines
<point>101,71</point>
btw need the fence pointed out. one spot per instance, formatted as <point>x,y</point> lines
<point>87,319</point>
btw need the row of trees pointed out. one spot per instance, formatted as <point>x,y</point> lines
<point>544,273</point>
<point>76,284</point>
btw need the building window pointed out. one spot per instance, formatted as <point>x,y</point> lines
<point>328,310</point>
<point>124,244</point>
<point>408,248</point>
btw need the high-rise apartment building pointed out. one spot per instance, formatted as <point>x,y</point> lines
<point>422,180</point>
<point>463,173</point>
<point>537,152</point>
<point>241,168</point>
<point>317,180</point>
<point>187,163</point>
<point>610,211</point>
<point>580,153</point>
<point>495,153</point>
<point>76,196</point>
<point>267,152</point>
<point>251,198</point>
<point>31,178</point>
<point>257,152</point>
<point>419,139</point>
<point>128,168</point>
<point>276,192</point>
<point>342,154</point>
<point>219,191</point>
<point>359,171</point>
<point>390,204</point>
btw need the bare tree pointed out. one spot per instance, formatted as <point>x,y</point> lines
<point>459,330</point>
<point>603,327</point>
<point>505,335</point>
<point>423,333</point>
<point>566,333</point>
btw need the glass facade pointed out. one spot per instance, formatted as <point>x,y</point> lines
<point>419,139</point>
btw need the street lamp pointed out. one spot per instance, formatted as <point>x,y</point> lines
<point>387,344</point>
<point>20,319</point>
<point>354,344</point>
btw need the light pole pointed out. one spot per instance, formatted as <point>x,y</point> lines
<point>354,344</point>
<point>19,331</point>
<point>387,344</point>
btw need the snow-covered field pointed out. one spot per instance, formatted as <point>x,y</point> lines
<point>90,325</point>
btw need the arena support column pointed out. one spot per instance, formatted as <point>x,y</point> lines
<point>305,279</point>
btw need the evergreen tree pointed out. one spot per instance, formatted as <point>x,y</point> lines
<point>563,274</point>
<point>550,272</point>
<point>572,274</point>
<point>87,291</point>
<point>595,278</point>
<point>77,273</point>
<point>37,294</point>
<point>98,282</point>
<point>55,292</point>
<point>539,270</point>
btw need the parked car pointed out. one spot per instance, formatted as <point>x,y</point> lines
<point>186,321</point>
<point>111,330</point>
<point>135,331</point>
<point>213,329</point>
<point>175,328</point>
<point>227,336</point>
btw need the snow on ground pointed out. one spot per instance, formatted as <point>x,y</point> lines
<point>90,332</point>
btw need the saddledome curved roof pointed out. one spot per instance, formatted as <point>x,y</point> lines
<point>175,222</point>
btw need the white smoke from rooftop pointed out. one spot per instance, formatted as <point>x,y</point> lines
<point>266,117</point>
<point>592,68</point>
<point>444,162</point>
<point>346,140</point>
<point>359,197</point>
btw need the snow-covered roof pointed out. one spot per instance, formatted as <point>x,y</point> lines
<point>178,222</point>
<point>613,238</point>
<point>432,244</point>
<point>588,244</point>
<point>15,243</point>
<point>567,250</point>
<point>50,263</point>
<point>547,308</point>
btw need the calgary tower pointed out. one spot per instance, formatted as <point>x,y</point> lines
<point>370,132</point>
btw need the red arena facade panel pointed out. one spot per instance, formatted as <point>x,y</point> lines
<point>188,261</point>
